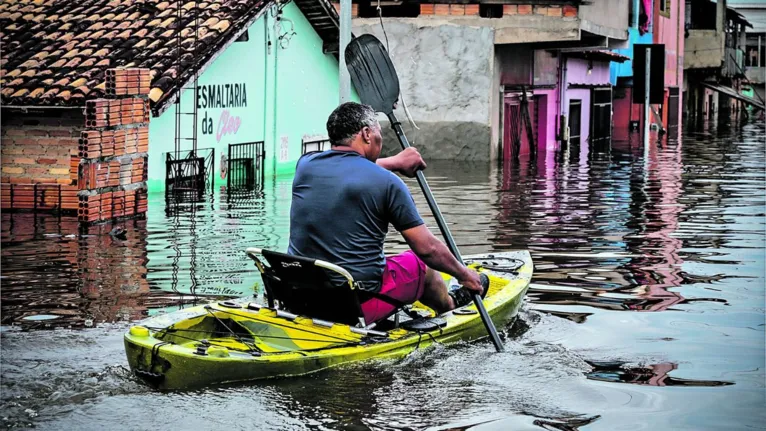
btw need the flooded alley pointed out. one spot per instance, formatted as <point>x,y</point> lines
<point>646,310</point>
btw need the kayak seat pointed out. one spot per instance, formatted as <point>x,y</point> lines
<point>309,287</point>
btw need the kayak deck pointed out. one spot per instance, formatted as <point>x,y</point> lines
<point>232,341</point>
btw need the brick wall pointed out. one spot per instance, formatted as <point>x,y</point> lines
<point>91,160</point>
<point>443,9</point>
<point>39,146</point>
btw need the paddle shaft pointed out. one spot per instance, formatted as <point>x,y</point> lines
<point>446,233</point>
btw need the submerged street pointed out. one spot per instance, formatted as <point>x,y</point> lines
<point>646,310</point>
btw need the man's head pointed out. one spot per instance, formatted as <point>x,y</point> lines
<point>354,125</point>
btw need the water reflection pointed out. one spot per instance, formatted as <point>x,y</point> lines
<point>642,256</point>
<point>651,375</point>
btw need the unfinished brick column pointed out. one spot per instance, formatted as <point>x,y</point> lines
<point>113,149</point>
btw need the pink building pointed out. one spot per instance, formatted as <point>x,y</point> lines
<point>569,96</point>
<point>668,29</point>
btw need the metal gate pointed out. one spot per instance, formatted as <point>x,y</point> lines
<point>516,130</point>
<point>245,167</point>
<point>187,177</point>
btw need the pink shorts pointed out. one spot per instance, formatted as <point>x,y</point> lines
<point>403,280</point>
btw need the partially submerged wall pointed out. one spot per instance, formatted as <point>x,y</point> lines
<point>445,75</point>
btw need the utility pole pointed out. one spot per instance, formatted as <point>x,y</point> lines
<point>345,38</point>
<point>647,121</point>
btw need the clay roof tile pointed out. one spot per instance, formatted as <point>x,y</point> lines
<point>139,23</point>
<point>70,54</point>
<point>78,82</point>
<point>37,92</point>
<point>58,50</point>
<point>222,26</point>
<point>166,12</point>
<point>20,93</point>
<point>30,64</point>
<point>74,62</point>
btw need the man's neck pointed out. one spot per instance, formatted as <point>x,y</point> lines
<point>348,148</point>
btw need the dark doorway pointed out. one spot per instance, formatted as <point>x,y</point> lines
<point>673,100</point>
<point>575,113</point>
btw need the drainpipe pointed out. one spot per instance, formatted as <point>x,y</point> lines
<point>266,50</point>
<point>562,94</point>
<point>276,91</point>
<point>344,39</point>
<point>679,51</point>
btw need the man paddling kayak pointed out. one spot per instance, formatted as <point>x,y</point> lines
<point>343,201</point>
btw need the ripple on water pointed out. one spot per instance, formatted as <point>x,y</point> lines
<point>648,292</point>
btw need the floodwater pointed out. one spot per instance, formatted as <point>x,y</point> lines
<point>646,310</point>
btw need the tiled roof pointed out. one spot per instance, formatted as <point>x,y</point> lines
<point>56,52</point>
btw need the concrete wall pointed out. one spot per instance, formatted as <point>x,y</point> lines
<point>446,76</point>
<point>606,18</point>
<point>703,48</point>
<point>289,94</point>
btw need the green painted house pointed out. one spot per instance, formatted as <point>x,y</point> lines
<point>275,82</point>
<point>246,72</point>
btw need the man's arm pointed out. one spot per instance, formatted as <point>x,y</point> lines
<point>407,162</point>
<point>437,256</point>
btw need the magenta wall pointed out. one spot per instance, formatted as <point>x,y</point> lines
<point>547,116</point>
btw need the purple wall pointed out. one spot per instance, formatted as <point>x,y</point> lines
<point>582,94</point>
<point>577,72</point>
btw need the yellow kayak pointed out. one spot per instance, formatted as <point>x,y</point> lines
<point>240,340</point>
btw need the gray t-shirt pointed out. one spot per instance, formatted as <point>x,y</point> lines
<point>342,205</point>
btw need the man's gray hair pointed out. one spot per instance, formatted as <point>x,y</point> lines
<point>347,120</point>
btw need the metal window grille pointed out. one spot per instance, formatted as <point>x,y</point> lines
<point>316,145</point>
<point>187,177</point>
<point>245,166</point>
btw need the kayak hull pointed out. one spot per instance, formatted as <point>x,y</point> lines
<point>166,350</point>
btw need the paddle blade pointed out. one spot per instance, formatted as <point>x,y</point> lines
<point>372,73</point>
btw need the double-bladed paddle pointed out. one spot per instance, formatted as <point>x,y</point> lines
<point>375,79</point>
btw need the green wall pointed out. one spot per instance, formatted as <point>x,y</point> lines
<point>289,92</point>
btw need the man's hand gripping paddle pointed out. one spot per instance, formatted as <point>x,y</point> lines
<point>375,80</point>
